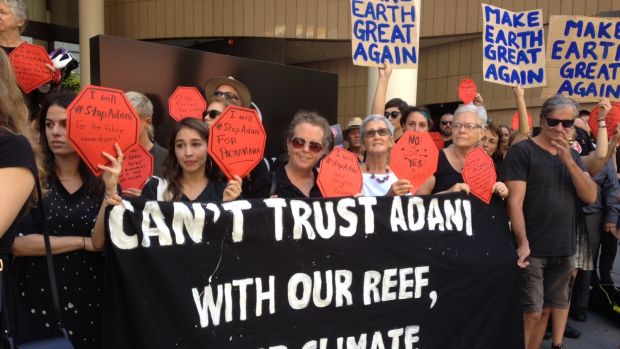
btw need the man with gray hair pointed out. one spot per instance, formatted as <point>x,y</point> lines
<point>547,179</point>
<point>144,108</point>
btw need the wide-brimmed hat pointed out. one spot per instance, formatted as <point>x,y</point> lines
<point>244,93</point>
<point>353,123</point>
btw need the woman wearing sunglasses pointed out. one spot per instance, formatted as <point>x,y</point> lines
<point>395,109</point>
<point>215,110</point>
<point>307,142</point>
<point>468,130</point>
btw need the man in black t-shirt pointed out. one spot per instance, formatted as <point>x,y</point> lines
<point>547,183</point>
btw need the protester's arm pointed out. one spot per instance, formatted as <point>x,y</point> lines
<point>583,183</point>
<point>524,125</point>
<point>34,245</point>
<point>515,212</point>
<point>16,185</point>
<point>233,189</point>
<point>595,162</point>
<point>111,197</point>
<point>378,102</point>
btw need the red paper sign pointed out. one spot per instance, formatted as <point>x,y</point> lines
<point>29,66</point>
<point>611,120</point>
<point>515,120</point>
<point>415,158</point>
<point>98,118</point>
<point>137,167</point>
<point>467,90</point>
<point>186,102</point>
<point>237,141</point>
<point>439,142</point>
<point>479,174</point>
<point>340,174</point>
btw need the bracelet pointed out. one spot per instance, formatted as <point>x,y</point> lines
<point>602,126</point>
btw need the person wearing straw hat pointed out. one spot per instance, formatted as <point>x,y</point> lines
<point>352,135</point>
<point>230,89</point>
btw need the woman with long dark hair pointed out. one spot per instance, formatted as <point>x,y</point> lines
<point>71,202</point>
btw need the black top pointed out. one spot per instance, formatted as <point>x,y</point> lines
<point>550,203</point>
<point>159,154</point>
<point>15,151</point>
<point>79,273</point>
<point>445,176</point>
<point>283,186</point>
<point>214,191</point>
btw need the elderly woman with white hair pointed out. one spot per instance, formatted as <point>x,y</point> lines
<point>467,132</point>
<point>13,17</point>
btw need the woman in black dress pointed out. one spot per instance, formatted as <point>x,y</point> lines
<point>71,201</point>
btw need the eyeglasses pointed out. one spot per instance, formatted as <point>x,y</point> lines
<point>565,123</point>
<point>227,95</point>
<point>299,143</point>
<point>391,114</point>
<point>468,126</point>
<point>212,114</point>
<point>380,132</point>
<point>446,123</point>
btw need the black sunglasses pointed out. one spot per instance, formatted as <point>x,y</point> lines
<point>381,132</point>
<point>446,123</point>
<point>391,114</point>
<point>227,95</point>
<point>212,114</point>
<point>299,143</point>
<point>565,123</point>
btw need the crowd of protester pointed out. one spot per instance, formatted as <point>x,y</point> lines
<point>557,170</point>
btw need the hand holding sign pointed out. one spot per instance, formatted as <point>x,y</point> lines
<point>31,65</point>
<point>610,112</point>
<point>415,158</point>
<point>479,174</point>
<point>340,174</point>
<point>237,141</point>
<point>467,90</point>
<point>186,102</point>
<point>98,118</point>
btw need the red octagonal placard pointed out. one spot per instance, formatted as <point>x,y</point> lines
<point>237,141</point>
<point>515,120</point>
<point>137,167</point>
<point>611,119</point>
<point>29,66</point>
<point>98,118</point>
<point>186,102</point>
<point>467,90</point>
<point>439,142</point>
<point>479,174</point>
<point>340,174</point>
<point>415,158</point>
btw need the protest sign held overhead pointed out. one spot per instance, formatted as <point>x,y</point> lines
<point>384,31</point>
<point>583,58</point>
<point>479,174</point>
<point>612,119</point>
<point>237,141</point>
<point>366,272</point>
<point>186,102</point>
<point>513,47</point>
<point>98,118</point>
<point>29,64</point>
<point>340,174</point>
<point>137,167</point>
<point>467,91</point>
<point>415,158</point>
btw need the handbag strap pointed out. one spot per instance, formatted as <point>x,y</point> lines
<point>50,260</point>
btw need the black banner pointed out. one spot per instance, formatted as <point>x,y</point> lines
<point>398,272</point>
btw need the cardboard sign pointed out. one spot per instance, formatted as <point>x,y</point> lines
<point>98,118</point>
<point>467,91</point>
<point>340,174</point>
<point>29,66</point>
<point>186,102</point>
<point>612,119</point>
<point>414,157</point>
<point>513,47</point>
<point>479,173</point>
<point>583,54</point>
<point>137,168</point>
<point>439,142</point>
<point>237,141</point>
<point>515,120</point>
<point>384,31</point>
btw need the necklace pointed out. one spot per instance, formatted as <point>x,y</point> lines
<point>376,177</point>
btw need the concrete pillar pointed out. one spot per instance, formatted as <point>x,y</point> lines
<point>91,24</point>
<point>403,82</point>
